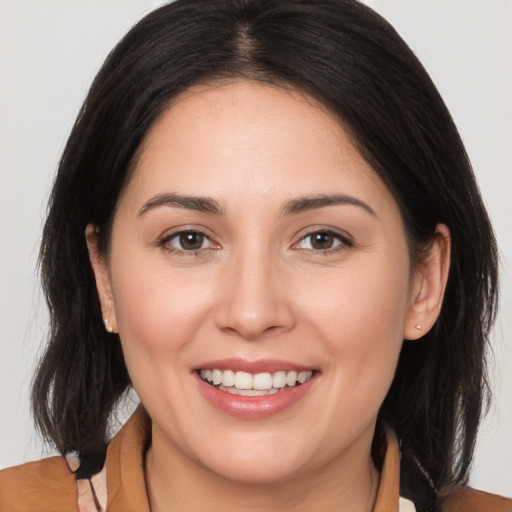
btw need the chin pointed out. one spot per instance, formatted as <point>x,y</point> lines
<point>256,463</point>
<point>263,471</point>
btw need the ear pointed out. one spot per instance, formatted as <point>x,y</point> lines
<point>102,277</point>
<point>428,285</point>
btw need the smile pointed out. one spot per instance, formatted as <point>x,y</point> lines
<point>257,384</point>
<point>255,389</point>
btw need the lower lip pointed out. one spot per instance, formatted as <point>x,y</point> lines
<point>254,407</point>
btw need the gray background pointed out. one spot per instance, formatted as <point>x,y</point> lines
<point>49,53</point>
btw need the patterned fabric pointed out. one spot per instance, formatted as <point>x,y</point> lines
<point>404,505</point>
<point>92,491</point>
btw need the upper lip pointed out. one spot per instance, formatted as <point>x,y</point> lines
<point>256,366</point>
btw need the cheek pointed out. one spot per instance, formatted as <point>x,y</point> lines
<point>158,311</point>
<point>360,317</point>
<point>357,301</point>
<point>159,314</point>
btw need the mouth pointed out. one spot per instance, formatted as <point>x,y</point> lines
<point>254,384</point>
<point>255,389</point>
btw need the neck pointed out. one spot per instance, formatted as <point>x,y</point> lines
<point>174,482</point>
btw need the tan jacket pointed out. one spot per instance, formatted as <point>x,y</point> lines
<point>49,485</point>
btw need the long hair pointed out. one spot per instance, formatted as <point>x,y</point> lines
<point>350,59</point>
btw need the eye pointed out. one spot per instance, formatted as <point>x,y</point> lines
<point>187,241</point>
<point>323,241</point>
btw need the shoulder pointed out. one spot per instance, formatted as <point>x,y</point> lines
<point>466,499</point>
<point>47,485</point>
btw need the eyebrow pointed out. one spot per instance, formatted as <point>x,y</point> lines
<point>200,204</point>
<point>303,204</point>
<point>209,205</point>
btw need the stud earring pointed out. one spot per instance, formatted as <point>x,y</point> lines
<point>108,327</point>
<point>417,326</point>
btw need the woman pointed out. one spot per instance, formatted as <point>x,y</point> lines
<point>265,221</point>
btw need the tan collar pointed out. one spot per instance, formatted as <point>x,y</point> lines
<point>126,486</point>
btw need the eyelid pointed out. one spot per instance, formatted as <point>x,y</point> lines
<point>164,240</point>
<point>344,238</point>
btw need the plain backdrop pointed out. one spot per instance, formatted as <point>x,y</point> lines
<point>49,53</point>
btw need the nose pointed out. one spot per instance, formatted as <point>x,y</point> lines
<point>254,301</point>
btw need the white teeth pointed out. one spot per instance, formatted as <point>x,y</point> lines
<point>262,381</point>
<point>228,378</point>
<point>291,378</point>
<point>216,377</point>
<point>249,384</point>
<point>279,380</point>
<point>244,392</point>
<point>253,392</point>
<point>243,380</point>
<point>304,376</point>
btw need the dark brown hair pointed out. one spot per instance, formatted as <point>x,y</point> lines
<point>348,57</point>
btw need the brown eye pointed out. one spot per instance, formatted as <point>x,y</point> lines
<point>191,241</point>
<point>187,241</point>
<point>322,240</point>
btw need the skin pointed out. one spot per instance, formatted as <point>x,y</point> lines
<point>259,289</point>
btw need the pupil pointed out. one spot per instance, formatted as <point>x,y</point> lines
<point>322,241</point>
<point>191,241</point>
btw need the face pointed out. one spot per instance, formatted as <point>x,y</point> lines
<point>260,282</point>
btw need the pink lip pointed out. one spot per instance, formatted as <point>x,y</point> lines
<point>258,366</point>
<point>254,407</point>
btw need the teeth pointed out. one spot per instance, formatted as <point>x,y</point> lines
<point>228,378</point>
<point>216,377</point>
<point>243,380</point>
<point>244,392</point>
<point>279,380</point>
<point>291,378</point>
<point>248,384</point>
<point>303,377</point>
<point>262,381</point>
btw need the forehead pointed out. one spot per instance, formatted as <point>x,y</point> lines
<point>254,140</point>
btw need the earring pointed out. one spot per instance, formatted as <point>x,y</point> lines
<point>417,326</point>
<point>108,327</point>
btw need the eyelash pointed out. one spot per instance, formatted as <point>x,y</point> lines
<point>165,243</point>
<point>344,242</point>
